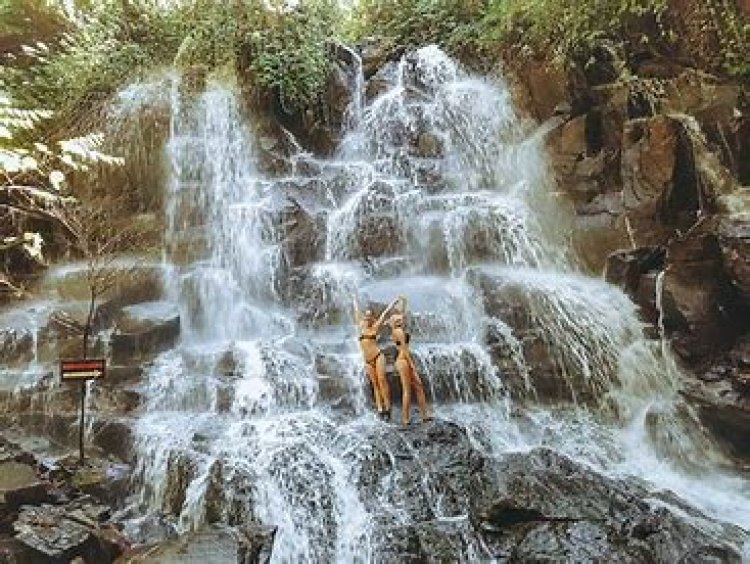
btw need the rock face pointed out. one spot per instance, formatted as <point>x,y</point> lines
<point>640,158</point>
<point>636,272</point>
<point>660,189</point>
<point>722,395</point>
<point>698,296</point>
<point>546,507</point>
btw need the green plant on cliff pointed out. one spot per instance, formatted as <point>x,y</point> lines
<point>453,24</point>
<point>111,42</point>
<point>720,17</point>
<point>286,51</point>
<point>564,28</point>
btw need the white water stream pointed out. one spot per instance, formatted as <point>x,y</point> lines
<point>436,188</point>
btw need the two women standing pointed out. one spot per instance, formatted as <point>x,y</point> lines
<point>369,328</point>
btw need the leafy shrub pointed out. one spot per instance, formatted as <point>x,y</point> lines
<point>286,51</point>
<point>453,24</point>
<point>117,40</point>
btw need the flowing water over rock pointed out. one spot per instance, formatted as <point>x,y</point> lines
<point>438,192</point>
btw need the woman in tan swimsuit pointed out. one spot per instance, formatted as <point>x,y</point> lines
<point>369,328</point>
<point>407,371</point>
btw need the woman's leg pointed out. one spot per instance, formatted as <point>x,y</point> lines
<point>416,381</point>
<point>375,387</point>
<point>382,381</point>
<point>402,366</point>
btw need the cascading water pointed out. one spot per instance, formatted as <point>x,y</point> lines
<point>437,193</point>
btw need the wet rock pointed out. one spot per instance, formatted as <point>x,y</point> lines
<point>20,485</point>
<point>636,272</point>
<point>428,145</point>
<point>542,366</point>
<point>652,157</point>
<point>135,281</point>
<point>16,345</point>
<point>143,283</point>
<point>302,239</point>
<point>144,330</point>
<point>725,411</point>
<point>598,230</point>
<point>721,393</point>
<point>386,76</point>
<point>374,52</point>
<point>255,544</point>
<point>148,530</point>
<point>114,437</point>
<point>734,238</point>
<point>419,463</point>
<point>701,311</point>
<point>547,507</point>
<point>214,497</point>
<point>338,93</point>
<point>625,268</point>
<point>377,231</point>
<point>50,531</point>
<point>430,541</point>
<point>212,544</point>
<point>181,471</point>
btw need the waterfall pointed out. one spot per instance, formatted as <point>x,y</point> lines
<point>439,192</point>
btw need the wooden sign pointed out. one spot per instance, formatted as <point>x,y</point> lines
<point>79,370</point>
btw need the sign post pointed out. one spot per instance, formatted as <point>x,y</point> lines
<point>81,371</point>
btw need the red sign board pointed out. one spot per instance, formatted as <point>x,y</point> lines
<point>76,370</point>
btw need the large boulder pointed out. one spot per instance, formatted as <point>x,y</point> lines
<point>545,507</point>
<point>702,311</point>
<point>144,330</point>
<point>721,392</point>
<point>252,544</point>
<point>302,238</point>
<point>655,154</point>
<point>60,533</point>
<point>418,464</point>
<point>734,239</point>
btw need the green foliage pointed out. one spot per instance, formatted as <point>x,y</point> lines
<point>35,163</point>
<point>453,24</point>
<point>287,51</point>
<point>115,41</point>
<point>550,28</point>
<point>567,28</point>
<point>107,46</point>
<point>733,34</point>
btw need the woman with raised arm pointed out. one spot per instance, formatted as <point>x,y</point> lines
<point>369,327</point>
<point>407,371</point>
